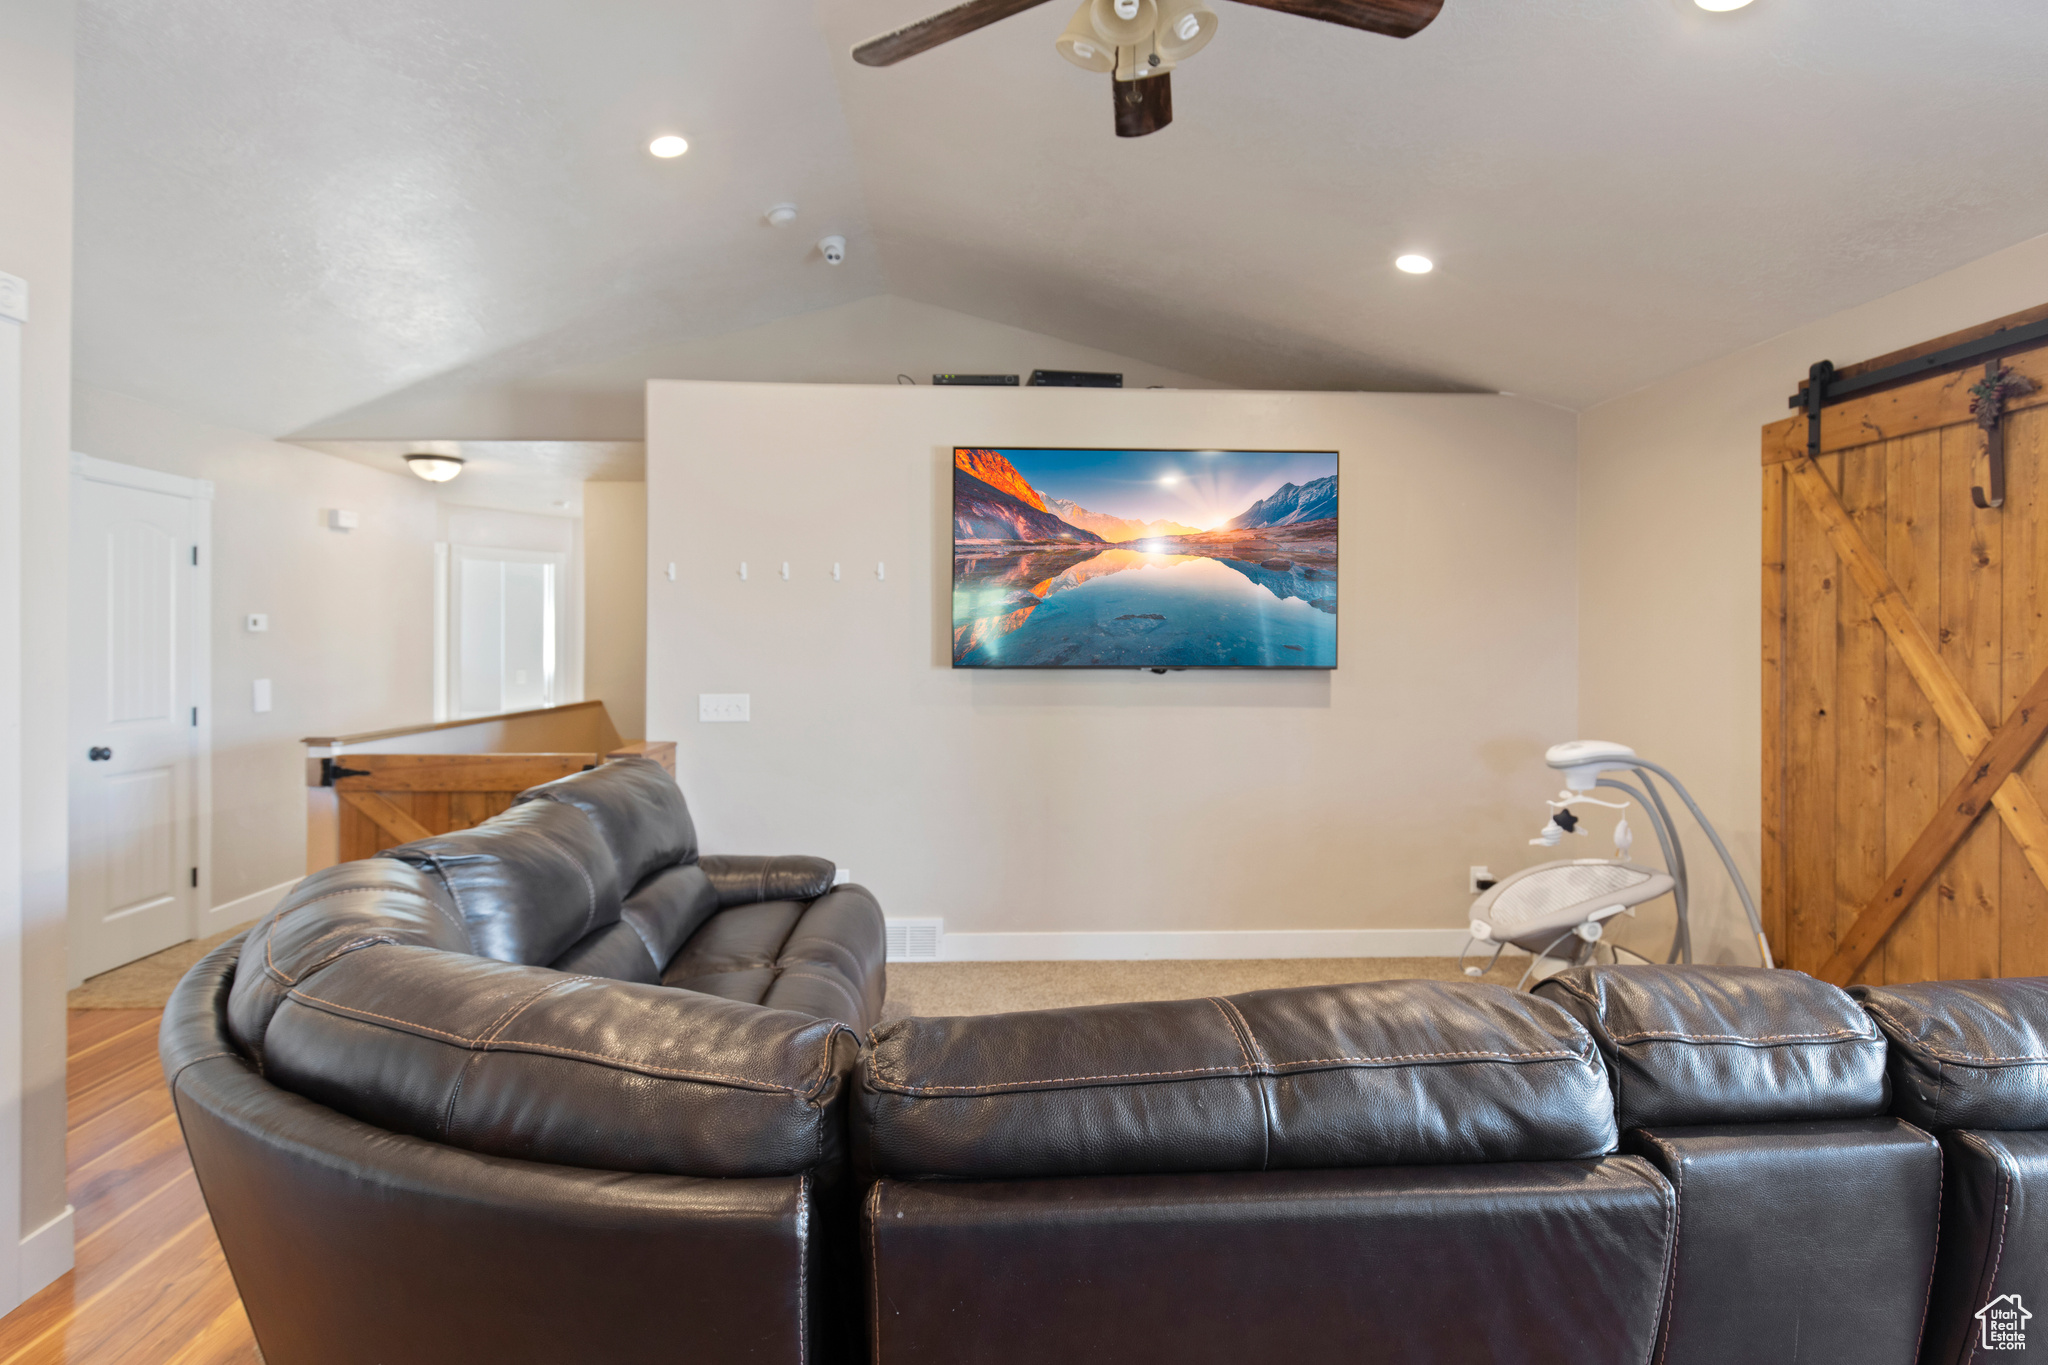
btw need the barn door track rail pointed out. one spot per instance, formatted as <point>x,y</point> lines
<point>1825,385</point>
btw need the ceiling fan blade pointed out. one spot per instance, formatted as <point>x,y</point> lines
<point>1395,18</point>
<point>925,34</point>
<point>1143,106</point>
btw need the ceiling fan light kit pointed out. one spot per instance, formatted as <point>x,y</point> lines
<point>1139,42</point>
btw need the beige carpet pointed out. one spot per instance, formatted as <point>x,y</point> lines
<point>146,985</point>
<point>938,988</point>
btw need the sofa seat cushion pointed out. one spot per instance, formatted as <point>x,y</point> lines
<point>636,808</point>
<point>1966,1054</point>
<point>526,1062</point>
<point>823,958</point>
<point>1692,1045</point>
<point>528,883</point>
<point>1385,1073</point>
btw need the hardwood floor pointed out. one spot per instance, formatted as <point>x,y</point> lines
<point>150,1286</point>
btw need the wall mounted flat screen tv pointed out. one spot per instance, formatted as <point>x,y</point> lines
<point>1144,558</point>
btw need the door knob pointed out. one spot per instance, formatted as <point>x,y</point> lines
<point>99,754</point>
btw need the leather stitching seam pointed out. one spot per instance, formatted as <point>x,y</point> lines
<point>1906,1038</point>
<point>1670,1036</point>
<point>2004,1208</point>
<point>270,963</point>
<point>552,1049</point>
<point>875,1262</point>
<point>1240,1029</point>
<point>1663,1345</point>
<point>1940,1193</point>
<point>803,1267</point>
<point>1267,1068</point>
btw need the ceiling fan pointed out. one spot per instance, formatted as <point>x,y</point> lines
<point>1139,42</point>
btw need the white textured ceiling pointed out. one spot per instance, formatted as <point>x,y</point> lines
<point>290,210</point>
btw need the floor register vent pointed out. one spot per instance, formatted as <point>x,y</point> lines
<point>915,940</point>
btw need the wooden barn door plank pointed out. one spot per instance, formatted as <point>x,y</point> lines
<point>2023,899</point>
<point>1912,550</point>
<point>1971,643</point>
<point>1810,635</point>
<point>1860,648</point>
<point>1773,852</point>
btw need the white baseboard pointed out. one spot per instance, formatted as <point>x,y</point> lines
<point>46,1253</point>
<point>1201,944</point>
<point>253,906</point>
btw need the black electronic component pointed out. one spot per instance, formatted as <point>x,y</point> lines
<point>1075,379</point>
<point>991,381</point>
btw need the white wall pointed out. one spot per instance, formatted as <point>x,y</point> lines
<point>1037,802</point>
<point>350,645</point>
<point>615,602</point>
<point>869,341</point>
<point>35,243</point>
<point>1670,515</point>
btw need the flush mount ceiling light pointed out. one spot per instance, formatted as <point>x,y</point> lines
<point>1720,6</point>
<point>1139,42</point>
<point>668,146</point>
<point>1414,265</point>
<point>434,468</point>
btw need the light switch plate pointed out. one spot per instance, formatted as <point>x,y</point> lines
<point>724,706</point>
<point>259,693</point>
<point>13,297</point>
<point>258,622</point>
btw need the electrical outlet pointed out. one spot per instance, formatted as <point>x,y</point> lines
<point>724,706</point>
<point>1480,879</point>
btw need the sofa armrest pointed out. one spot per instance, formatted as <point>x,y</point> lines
<point>744,879</point>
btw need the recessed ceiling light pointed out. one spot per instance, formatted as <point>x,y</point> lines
<point>668,145</point>
<point>1720,6</point>
<point>1414,265</point>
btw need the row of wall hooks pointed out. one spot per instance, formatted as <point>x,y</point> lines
<point>881,571</point>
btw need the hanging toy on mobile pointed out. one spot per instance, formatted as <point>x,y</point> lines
<point>1543,908</point>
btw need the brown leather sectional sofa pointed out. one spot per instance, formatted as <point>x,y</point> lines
<point>558,1089</point>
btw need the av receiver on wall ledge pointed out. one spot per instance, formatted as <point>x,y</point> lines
<point>993,381</point>
<point>1075,379</point>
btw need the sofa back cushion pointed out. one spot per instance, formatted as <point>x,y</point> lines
<point>1691,1045</point>
<point>638,810</point>
<point>528,883</point>
<point>1966,1054</point>
<point>1381,1074</point>
<point>332,912</point>
<point>526,1062</point>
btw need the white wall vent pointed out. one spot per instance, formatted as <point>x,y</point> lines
<point>915,940</point>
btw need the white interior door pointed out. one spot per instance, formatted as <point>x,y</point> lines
<point>135,610</point>
<point>504,619</point>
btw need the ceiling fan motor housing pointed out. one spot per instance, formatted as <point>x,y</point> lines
<point>1136,38</point>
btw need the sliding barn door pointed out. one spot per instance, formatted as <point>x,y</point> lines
<point>1904,626</point>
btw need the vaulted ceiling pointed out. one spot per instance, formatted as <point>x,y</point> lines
<point>291,210</point>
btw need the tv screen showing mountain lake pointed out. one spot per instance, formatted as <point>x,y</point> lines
<point>1144,559</point>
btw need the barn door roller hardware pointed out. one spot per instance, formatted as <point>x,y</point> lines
<point>1825,385</point>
